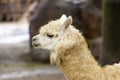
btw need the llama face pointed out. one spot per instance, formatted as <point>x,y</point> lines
<point>47,41</point>
<point>51,34</point>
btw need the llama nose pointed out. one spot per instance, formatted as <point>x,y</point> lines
<point>34,39</point>
<point>35,44</point>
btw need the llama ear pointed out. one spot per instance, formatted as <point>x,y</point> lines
<point>63,17</point>
<point>66,24</point>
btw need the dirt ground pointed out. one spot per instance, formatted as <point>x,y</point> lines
<point>30,71</point>
<point>15,64</point>
<point>42,77</point>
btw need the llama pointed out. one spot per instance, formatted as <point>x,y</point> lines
<point>69,50</point>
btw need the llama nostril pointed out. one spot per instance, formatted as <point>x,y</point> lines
<point>34,39</point>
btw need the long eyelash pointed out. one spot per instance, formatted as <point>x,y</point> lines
<point>50,35</point>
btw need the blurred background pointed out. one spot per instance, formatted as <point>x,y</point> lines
<point>21,19</point>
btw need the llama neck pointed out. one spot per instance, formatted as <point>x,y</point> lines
<point>80,65</point>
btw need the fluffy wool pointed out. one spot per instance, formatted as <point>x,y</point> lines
<point>70,52</point>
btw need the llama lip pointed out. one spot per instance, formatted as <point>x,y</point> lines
<point>35,44</point>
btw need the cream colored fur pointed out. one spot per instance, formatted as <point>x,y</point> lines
<point>70,52</point>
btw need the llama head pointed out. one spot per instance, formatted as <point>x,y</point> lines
<point>51,35</point>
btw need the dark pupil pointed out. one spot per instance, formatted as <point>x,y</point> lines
<point>50,35</point>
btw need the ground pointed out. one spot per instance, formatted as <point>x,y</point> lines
<point>29,71</point>
<point>15,64</point>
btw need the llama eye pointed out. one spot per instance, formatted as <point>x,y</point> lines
<point>50,35</point>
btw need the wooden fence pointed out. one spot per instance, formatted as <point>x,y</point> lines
<point>11,10</point>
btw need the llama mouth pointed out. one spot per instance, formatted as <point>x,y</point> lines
<point>35,44</point>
